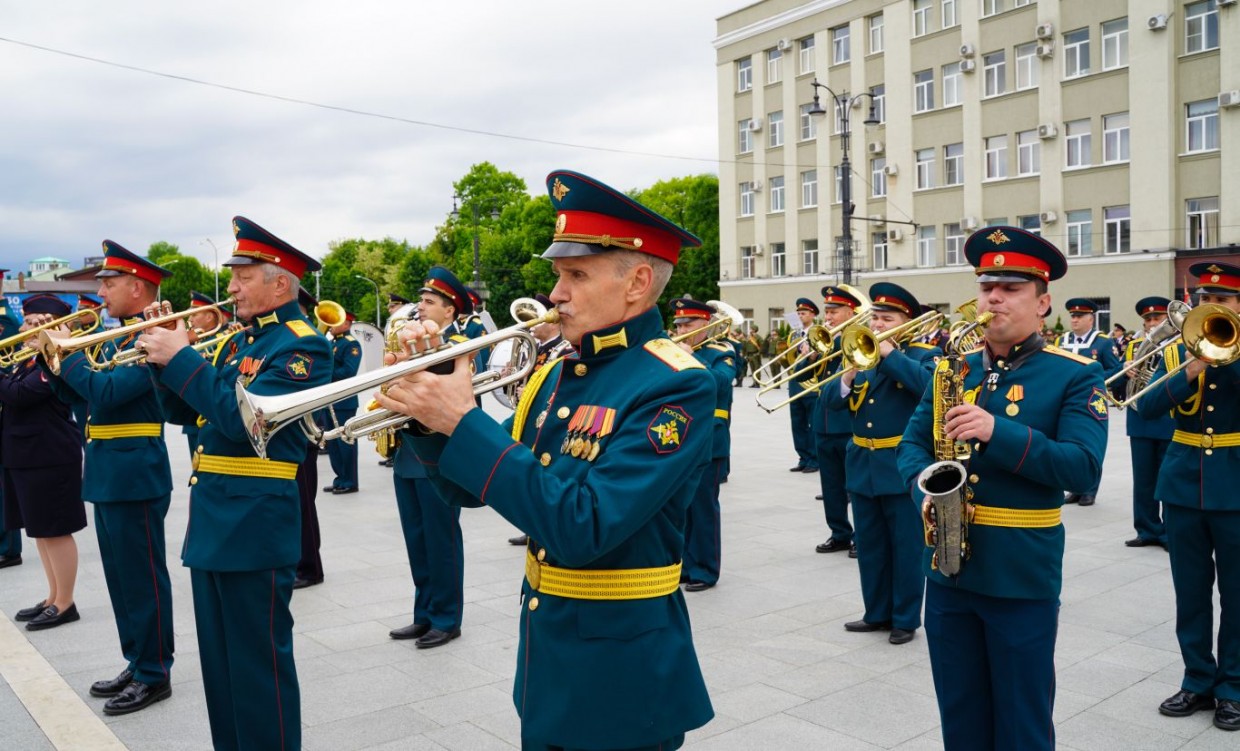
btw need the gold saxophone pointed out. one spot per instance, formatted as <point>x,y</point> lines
<point>947,510</point>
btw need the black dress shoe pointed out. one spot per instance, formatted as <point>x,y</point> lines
<point>345,491</point>
<point>1071,498</point>
<point>300,583</point>
<point>1227,716</point>
<point>386,462</point>
<point>809,470</point>
<point>412,631</point>
<point>1185,703</point>
<point>113,686</point>
<point>26,614</point>
<point>901,635</point>
<point>10,560</point>
<point>693,586</point>
<point>863,627</point>
<point>1086,500</point>
<point>52,617</point>
<point>519,540</point>
<point>137,696</point>
<point>818,497</point>
<point>436,638</point>
<point>797,468</point>
<point>852,551</point>
<point>832,546</point>
<point>329,488</point>
<point>1140,542</point>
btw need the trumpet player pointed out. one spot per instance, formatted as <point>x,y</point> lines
<point>1202,509</point>
<point>242,542</point>
<point>346,359</point>
<point>1084,339</point>
<point>801,411</point>
<point>833,430</point>
<point>204,320</point>
<point>1034,420</point>
<point>128,480</point>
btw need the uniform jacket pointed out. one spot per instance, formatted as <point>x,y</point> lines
<point>1054,442</point>
<point>720,360</point>
<point>245,523</point>
<point>36,428</point>
<point>881,401</point>
<point>1094,345</point>
<point>118,469</point>
<point>1160,427</point>
<point>346,358</point>
<point>832,417</point>
<point>614,673</point>
<point>1207,408</point>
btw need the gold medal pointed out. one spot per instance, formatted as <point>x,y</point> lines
<point>542,417</point>
<point>576,448</point>
<point>593,452</point>
<point>1012,410</point>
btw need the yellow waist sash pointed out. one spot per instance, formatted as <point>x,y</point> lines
<point>877,443</point>
<point>124,430</point>
<point>721,413</point>
<point>993,516</point>
<point>1206,440</point>
<point>601,584</point>
<point>244,466</point>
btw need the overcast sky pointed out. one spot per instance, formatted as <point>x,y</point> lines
<point>89,151</point>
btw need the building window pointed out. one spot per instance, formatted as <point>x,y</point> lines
<point>746,194</point>
<point>953,244</point>
<point>809,124</point>
<point>992,7</point>
<point>744,136</point>
<point>1021,3</point>
<point>779,259</point>
<point>876,33</point>
<point>840,110</point>
<point>947,13</point>
<point>1031,223</point>
<point>878,244</point>
<point>747,262</point>
<point>997,221</point>
<point>1076,53</point>
<point>952,85</point>
<point>775,129</point>
<point>953,164</point>
<point>1027,67</point>
<point>878,97</point>
<point>839,45</point>
<point>1115,138</point>
<point>1117,228</point>
<point>996,157</point>
<point>839,184</point>
<point>994,73</point>
<point>878,177</point>
<point>1202,125</point>
<point>806,47</point>
<point>921,17</point>
<point>809,257</point>
<point>809,188</point>
<point>927,250</point>
<point>773,59</point>
<point>1028,153</point>
<point>777,194</point>
<point>1078,144</point>
<point>925,168</point>
<point>1201,26</point>
<point>1115,44</point>
<point>923,91</point>
<point>1202,215</point>
<point>1080,233</point>
<point>744,74</point>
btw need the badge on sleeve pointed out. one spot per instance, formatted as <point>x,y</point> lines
<point>1098,404</point>
<point>668,429</point>
<point>298,366</point>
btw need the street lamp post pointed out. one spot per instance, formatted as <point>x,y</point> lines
<point>378,322</point>
<point>216,252</point>
<point>843,105</point>
<point>478,285</point>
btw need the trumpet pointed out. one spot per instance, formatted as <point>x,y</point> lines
<point>55,348</point>
<point>1145,360</point>
<point>264,416</point>
<point>14,351</point>
<point>725,319</point>
<point>770,382</point>
<point>859,346</point>
<point>328,315</point>
<point>1211,333</point>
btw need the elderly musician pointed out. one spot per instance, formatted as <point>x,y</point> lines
<point>243,538</point>
<point>1034,418</point>
<point>1201,507</point>
<point>128,479</point>
<point>609,444</point>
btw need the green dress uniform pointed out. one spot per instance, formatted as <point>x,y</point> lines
<point>801,412</point>
<point>346,359</point>
<point>833,430</point>
<point>1097,346</point>
<point>243,539</point>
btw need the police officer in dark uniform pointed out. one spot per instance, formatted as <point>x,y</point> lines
<point>802,410</point>
<point>310,567</point>
<point>1035,419</point>
<point>346,359</point>
<point>833,432</point>
<point>1148,439</point>
<point>1197,485</point>
<point>888,531</point>
<point>1085,340</point>
<point>703,539</point>
<point>10,539</point>
<point>128,479</point>
<point>609,446</point>
<point>243,539</point>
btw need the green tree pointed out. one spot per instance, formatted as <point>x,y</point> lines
<point>693,203</point>
<point>347,260</point>
<point>188,274</point>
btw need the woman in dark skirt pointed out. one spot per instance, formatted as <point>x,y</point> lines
<point>41,450</point>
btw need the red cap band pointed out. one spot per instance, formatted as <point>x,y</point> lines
<point>1228,281</point>
<point>834,300</point>
<point>444,289</point>
<point>124,265</point>
<point>1020,263</point>
<point>892,302</point>
<point>610,232</point>
<point>267,254</point>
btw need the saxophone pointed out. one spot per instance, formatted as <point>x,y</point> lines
<point>948,511</point>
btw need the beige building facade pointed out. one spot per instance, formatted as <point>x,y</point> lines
<point>1106,126</point>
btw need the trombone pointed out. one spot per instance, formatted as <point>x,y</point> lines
<point>1210,332</point>
<point>770,381</point>
<point>55,348</point>
<point>1144,362</point>
<point>725,319</point>
<point>264,416</point>
<point>859,346</point>
<point>14,351</point>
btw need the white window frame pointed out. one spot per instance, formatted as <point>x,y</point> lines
<point>953,245</point>
<point>809,124</point>
<point>839,184</point>
<point>746,195</point>
<point>841,47</point>
<point>1078,144</point>
<point>924,168</point>
<point>775,192</point>
<point>878,177</point>
<point>878,250</point>
<point>953,164</point>
<point>1201,222</point>
<point>947,14</point>
<point>1201,129</point>
<point>779,259</point>
<point>1076,53</point>
<point>1028,153</point>
<point>996,159</point>
<point>775,129</point>
<point>927,246</point>
<point>923,91</point>
<point>1115,146</point>
<point>992,7</point>
<point>1028,66</point>
<point>744,136</point>
<point>1200,24</point>
<point>1079,232</point>
<point>1115,44</point>
<point>809,189</point>
<point>1117,229</point>
<point>876,26</point>
<point>837,120</point>
<point>953,85</point>
<point>806,49</point>
<point>1031,223</point>
<point>994,73</point>
<point>774,69</point>
<point>921,17</point>
<point>747,262</point>
<point>744,74</point>
<point>878,97</point>
<point>809,257</point>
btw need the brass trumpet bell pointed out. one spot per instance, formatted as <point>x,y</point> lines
<point>328,315</point>
<point>14,351</point>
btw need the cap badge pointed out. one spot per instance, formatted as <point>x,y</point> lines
<point>1000,260</point>
<point>560,223</point>
<point>1214,269</point>
<point>997,237</point>
<point>559,190</point>
<point>1214,278</point>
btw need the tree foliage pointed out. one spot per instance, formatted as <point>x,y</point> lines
<point>693,203</point>
<point>188,275</point>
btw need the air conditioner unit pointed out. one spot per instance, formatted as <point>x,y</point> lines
<point>755,126</point>
<point>1157,22</point>
<point>895,235</point>
<point>757,249</point>
<point>968,222</point>
<point>1044,50</point>
<point>1044,31</point>
<point>757,186</point>
<point>1227,2</point>
<point>1229,98</point>
<point>968,66</point>
<point>966,50</point>
<point>1047,130</point>
<point>891,170</point>
<point>1048,217</point>
<point>876,147</point>
<point>783,45</point>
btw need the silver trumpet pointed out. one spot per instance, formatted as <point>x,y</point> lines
<point>264,416</point>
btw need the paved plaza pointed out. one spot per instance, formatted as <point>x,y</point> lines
<point>782,671</point>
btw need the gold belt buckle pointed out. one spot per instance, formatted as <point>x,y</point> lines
<point>1207,441</point>
<point>534,574</point>
<point>869,443</point>
<point>193,462</point>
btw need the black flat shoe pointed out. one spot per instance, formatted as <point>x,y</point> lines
<point>1140,542</point>
<point>113,686</point>
<point>818,497</point>
<point>329,488</point>
<point>519,540</point>
<point>832,546</point>
<point>137,696</point>
<point>10,560</point>
<point>809,470</point>
<point>1227,716</point>
<point>52,617</point>
<point>901,635</point>
<point>852,551</point>
<point>1072,498</point>
<point>412,631</point>
<point>300,583</point>
<point>1185,703</point>
<point>345,491</point>
<point>797,468</point>
<point>862,627</point>
<point>26,614</point>
<point>436,638</point>
<point>692,586</point>
<point>1086,500</point>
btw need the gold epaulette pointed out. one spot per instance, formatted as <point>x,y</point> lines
<point>1066,354</point>
<point>718,347</point>
<point>672,355</point>
<point>301,328</point>
<point>923,345</point>
<point>458,338</point>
